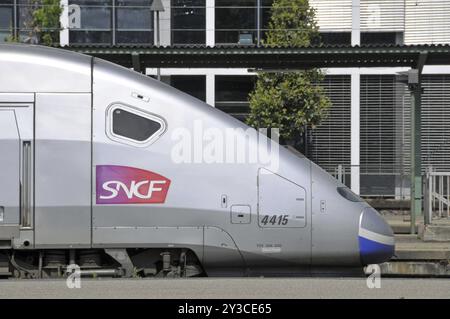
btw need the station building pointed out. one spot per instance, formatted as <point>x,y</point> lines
<point>365,138</point>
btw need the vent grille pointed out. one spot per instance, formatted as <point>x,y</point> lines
<point>377,124</point>
<point>333,15</point>
<point>427,21</point>
<point>436,122</point>
<point>329,144</point>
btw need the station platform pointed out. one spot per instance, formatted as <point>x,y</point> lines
<point>417,258</point>
<point>401,224</point>
<point>424,254</point>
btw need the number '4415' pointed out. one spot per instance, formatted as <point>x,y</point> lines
<point>275,220</point>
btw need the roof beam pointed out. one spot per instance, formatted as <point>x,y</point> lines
<point>271,57</point>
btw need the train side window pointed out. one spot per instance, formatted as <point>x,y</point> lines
<point>133,126</point>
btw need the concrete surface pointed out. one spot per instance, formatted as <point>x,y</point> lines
<point>437,231</point>
<point>233,288</point>
<point>414,257</point>
<point>400,224</point>
<point>416,269</point>
<point>410,247</point>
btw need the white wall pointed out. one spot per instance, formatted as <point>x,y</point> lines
<point>382,15</point>
<point>427,21</point>
<point>333,15</point>
<point>64,20</point>
<point>164,23</point>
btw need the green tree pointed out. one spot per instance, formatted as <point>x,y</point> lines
<point>41,22</point>
<point>289,101</point>
<point>46,21</point>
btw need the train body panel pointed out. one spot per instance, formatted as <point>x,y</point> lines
<point>42,69</point>
<point>62,157</point>
<point>120,162</point>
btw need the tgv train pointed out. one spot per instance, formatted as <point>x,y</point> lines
<point>91,178</point>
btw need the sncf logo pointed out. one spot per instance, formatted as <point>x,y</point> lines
<point>129,185</point>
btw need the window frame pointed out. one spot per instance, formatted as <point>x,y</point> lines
<point>136,111</point>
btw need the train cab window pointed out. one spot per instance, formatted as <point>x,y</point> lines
<point>348,194</point>
<point>130,125</point>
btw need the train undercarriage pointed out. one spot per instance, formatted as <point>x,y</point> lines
<point>127,263</point>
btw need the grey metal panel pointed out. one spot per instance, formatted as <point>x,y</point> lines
<point>9,168</point>
<point>26,235</point>
<point>161,237</point>
<point>240,214</point>
<point>195,194</point>
<point>16,97</point>
<point>220,250</point>
<point>43,69</point>
<point>9,231</point>
<point>63,174</point>
<point>335,231</point>
<point>290,202</point>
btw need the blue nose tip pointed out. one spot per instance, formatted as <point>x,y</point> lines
<point>376,239</point>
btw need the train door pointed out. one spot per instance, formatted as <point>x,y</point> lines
<point>16,170</point>
<point>63,170</point>
<point>283,216</point>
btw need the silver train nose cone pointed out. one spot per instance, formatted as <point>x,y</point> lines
<point>376,238</point>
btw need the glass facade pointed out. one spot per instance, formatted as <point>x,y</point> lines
<point>232,94</point>
<point>134,21</point>
<point>194,85</point>
<point>336,38</point>
<point>6,19</point>
<point>111,21</point>
<point>381,38</point>
<point>238,22</point>
<point>235,21</point>
<point>95,21</point>
<point>16,20</point>
<point>188,21</point>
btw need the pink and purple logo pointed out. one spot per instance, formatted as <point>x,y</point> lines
<point>129,185</point>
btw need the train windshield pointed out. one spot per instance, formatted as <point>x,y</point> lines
<point>348,194</point>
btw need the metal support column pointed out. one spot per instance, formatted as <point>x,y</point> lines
<point>210,23</point>
<point>414,85</point>
<point>355,129</point>
<point>156,8</point>
<point>416,163</point>
<point>15,21</point>
<point>258,23</point>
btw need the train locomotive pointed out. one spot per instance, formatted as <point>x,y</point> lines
<point>89,178</point>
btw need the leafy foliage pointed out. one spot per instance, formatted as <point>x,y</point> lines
<point>41,20</point>
<point>46,21</point>
<point>289,100</point>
